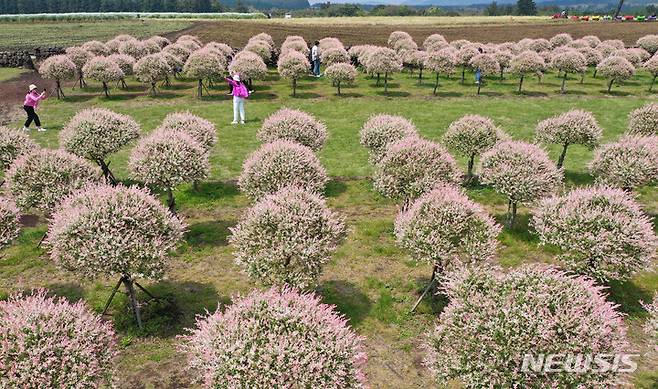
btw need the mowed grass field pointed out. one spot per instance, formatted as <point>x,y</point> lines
<point>370,280</point>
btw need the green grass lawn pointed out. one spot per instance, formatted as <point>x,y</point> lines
<point>9,73</point>
<point>371,281</point>
<point>23,35</point>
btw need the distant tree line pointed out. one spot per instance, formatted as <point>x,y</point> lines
<point>64,6</point>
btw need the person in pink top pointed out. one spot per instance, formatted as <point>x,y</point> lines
<point>31,103</point>
<point>240,93</point>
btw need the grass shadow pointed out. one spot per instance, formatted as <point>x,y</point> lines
<point>29,220</point>
<point>72,292</point>
<point>433,302</point>
<point>212,190</point>
<point>520,231</point>
<point>348,299</point>
<point>306,95</point>
<point>348,95</point>
<point>209,234</point>
<point>446,94</point>
<point>615,93</point>
<point>263,96</point>
<point>78,98</point>
<point>578,178</point>
<point>335,188</point>
<point>531,94</point>
<point>393,94</point>
<point>629,297</point>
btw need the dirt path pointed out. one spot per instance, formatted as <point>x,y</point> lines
<point>236,33</point>
<point>12,93</point>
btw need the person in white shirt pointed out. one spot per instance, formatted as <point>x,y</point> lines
<point>315,57</point>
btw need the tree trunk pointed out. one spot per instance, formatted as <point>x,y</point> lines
<point>338,86</point>
<point>595,70</point>
<point>436,84</point>
<point>564,81</point>
<point>560,161</point>
<point>521,83</point>
<point>377,84</point>
<point>130,289</point>
<point>153,90</point>
<point>106,89</point>
<point>479,85</point>
<point>610,85</point>
<point>420,75</point>
<point>653,81</point>
<point>386,82</point>
<point>199,91</point>
<point>123,84</point>
<point>294,87</point>
<point>58,87</point>
<point>463,75</point>
<point>511,212</point>
<point>107,173</point>
<point>171,202</point>
<point>582,78</point>
<point>437,269</point>
<point>471,161</point>
<point>502,70</point>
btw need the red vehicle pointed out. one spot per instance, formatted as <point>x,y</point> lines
<point>628,18</point>
<point>574,17</point>
<point>584,18</point>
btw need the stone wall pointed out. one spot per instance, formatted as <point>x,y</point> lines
<point>16,59</point>
<point>42,53</point>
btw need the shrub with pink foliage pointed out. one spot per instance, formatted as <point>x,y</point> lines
<point>628,163</point>
<point>200,129</point>
<point>263,37</point>
<point>186,37</point>
<point>95,133</point>
<point>528,62</point>
<point>568,61</point>
<point>295,126</point>
<point>151,69</point>
<point>280,164</point>
<point>459,43</point>
<point>293,65</point>
<point>464,56</point>
<point>43,178</point>
<point>615,69</point>
<point>487,65</point>
<point>159,40</point>
<point>13,144</point>
<point>644,120</point>
<point>651,66</point>
<point>204,64</point>
<point>573,127</point>
<point>59,68</point>
<point>385,61</point>
<point>286,238</point>
<point>561,40</point>
<point>295,45</point>
<point>134,48</point>
<point>114,43</point>
<point>179,51</point>
<point>631,55</point>
<point>191,45</point>
<point>592,40</point>
<point>601,232</point>
<point>79,57</point>
<point>397,36</point>
<point>651,326</point>
<point>539,45</point>
<point>649,43</point>
<point>441,62</point>
<point>103,70</point>
<point>381,130</point>
<point>341,74</point>
<point>592,56</point>
<point>330,43</point>
<point>226,50</point>
<point>249,65</point>
<point>435,42</point>
<point>10,225</point>
<point>334,55</point>
<point>168,158</point>
<point>412,167</point>
<point>96,48</point>
<point>47,342</point>
<point>521,171</point>
<point>176,64</point>
<point>445,228</point>
<point>504,58</point>
<point>260,48</point>
<point>311,342</point>
<point>405,45</point>
<point>472,135</point>
<point>125,63</point>
<point>534,310</point>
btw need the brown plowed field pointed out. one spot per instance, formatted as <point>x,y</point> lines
<point>236,33</point>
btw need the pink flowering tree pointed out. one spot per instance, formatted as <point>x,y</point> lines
<point>649,43</point>
<point>295,126</point>
<point>263,37</point>
<point>601,232</point>
<point>383,60</point>
<point>103,70</point>
<point>204,64</point>
<point>179,51</point>
<point>280,164</point>
<point>464,56</point>
<point>562,39</point>
<point>615,69</point>
<point>434,42</point>
<point>521,171</point>
<point>593,57</point>
<point>535,310</point>
<point>312,343</point>
<point>176,66</point>
<point>651,326</point>
<point>504,58</point>
<point>134,48</point>
<point>334,55</point>
<point>126,64</point>
<point>13,144</point>
<point>260,48</point>
<point>568,61</point>
<point>151,69</point>
<point>168,158</point>
<point>95,133</point>
<point>413,166</point>
<point>295,43</point>
<point>59,68</point>
<point>651,66</point>
<point>249,65</point>
<point>47,342</point>
<point>10,224</point>
<point>415,59</point>
<point>96,48</point>
<point>525,63</point>
<point>293,65</point>
<point>629,163</point>
<point>268,238</point>
<point>446,229</point>
<point>43,178</point>
<point>381,130</point>
<point>226,50</point>
<point>79,57</point>
<point>397,36</point>
<point>341,74</point>
<point>573,127</point>
<point>441,62</point>
<point>644,120</point>
<point>487,65</point>
<point>128,233</point>
<point>200,129</point>
<point>114,43</point>
<point>472,135</point>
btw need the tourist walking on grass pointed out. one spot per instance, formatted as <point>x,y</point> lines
<point>315,57</point>
<point>240,94</point>
<point>30,105</point>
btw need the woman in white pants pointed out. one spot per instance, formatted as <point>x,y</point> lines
<point>240,94</point>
